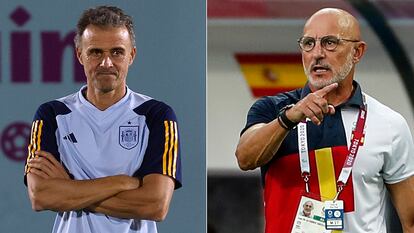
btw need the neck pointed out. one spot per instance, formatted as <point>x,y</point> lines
<point>341,94</point>
<point>103,100</point>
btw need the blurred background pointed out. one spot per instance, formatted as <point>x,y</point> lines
<point>252,51</point>
<point>38,64</point>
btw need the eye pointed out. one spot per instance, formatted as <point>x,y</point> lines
<point>95,53</point>
<point>330,41</point>
<point>308,42</point>
<point>118,52</point>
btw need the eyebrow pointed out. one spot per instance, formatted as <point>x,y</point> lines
<point>100,49</point>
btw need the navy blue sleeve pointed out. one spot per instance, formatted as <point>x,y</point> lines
<point>43,130</point>
<point>163,151</point>
<point>262,111</point>
<point>266,109</point>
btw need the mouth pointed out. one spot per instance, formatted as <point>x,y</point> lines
<point>320,69</point>
<point>106,73</point>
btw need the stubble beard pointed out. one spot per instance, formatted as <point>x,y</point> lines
<point>338,76</point>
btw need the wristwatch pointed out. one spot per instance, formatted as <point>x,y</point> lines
<point>284,121</point>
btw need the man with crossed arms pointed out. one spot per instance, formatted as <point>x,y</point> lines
<point>106,159</point>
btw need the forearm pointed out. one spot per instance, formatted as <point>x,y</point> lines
<point>150,201</point>
<point>400,193</point>
<point>65,195</point>
<point>258,144</point>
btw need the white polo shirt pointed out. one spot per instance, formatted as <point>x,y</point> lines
<point>386,157</point>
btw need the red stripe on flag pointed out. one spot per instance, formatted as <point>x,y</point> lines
<point>259,92</point>
<point>260,58</point>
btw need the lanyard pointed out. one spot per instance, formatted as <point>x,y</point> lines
<point>357,139</point>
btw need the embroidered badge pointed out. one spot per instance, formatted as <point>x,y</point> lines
<point>128,136</point>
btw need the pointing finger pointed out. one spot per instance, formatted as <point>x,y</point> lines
<point>322,92</point>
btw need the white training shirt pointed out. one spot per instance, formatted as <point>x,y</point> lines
<point>136,136</point>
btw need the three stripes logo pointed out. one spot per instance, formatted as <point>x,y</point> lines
<point>70,137</point>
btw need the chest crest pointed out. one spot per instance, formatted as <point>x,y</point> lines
<point>129,135</point>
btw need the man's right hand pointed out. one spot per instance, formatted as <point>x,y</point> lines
<point>314,106</point>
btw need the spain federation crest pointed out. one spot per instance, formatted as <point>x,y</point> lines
<point>128,136</point>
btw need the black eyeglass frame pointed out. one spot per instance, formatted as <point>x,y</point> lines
<point>323,40</point>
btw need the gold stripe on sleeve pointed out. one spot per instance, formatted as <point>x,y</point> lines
<point>30,146</point>
<point>39,134</point>
<point>35,137</point>
<point>164,156</point>
<point>170,150</point>
<point>175,149</point>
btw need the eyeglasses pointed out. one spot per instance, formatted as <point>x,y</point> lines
<point>97,55</point>
<point>329,43</point>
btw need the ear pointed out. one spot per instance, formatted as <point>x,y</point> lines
<point>79,55</point>
<point>132,54</point>
<point>359,51</point>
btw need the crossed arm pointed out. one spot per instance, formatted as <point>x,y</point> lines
<point>50,188</point>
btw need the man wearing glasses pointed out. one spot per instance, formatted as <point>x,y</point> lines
<point>329,141</point>
<point>106,159</point>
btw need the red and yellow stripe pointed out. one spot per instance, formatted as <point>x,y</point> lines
<point>272,73</point>
<point>169,158</point>
<point>35,140</point>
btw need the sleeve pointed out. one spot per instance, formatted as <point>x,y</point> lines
<point>262,111</point>
<point>42,136</point>
<point>399,164</point>
<point>163,151</point>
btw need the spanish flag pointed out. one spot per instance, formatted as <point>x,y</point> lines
<point>271,73</point>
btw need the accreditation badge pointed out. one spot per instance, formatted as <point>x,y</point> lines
<point>310,217</point>
<point>334,215</point>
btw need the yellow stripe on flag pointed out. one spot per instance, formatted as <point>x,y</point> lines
<point>287,75</point>
<point>326,173</point>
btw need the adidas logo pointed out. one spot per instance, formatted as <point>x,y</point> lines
<point>70,137</point>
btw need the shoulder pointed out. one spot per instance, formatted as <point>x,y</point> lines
<point>281,99</point>
<point>151,108</point>
<point>384,114</point>
<point>52,108</point>
<point>383,118</point>
<point>276,102</point>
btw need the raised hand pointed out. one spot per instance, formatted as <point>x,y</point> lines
<point>314,106</point>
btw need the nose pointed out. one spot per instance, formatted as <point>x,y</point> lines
<point>318,51</point>
<point>106,61</point>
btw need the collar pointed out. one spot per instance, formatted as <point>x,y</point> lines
<point>356,99</point>
<point>82,97</point>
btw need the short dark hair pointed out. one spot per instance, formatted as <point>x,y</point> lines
<point>104,16</point>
